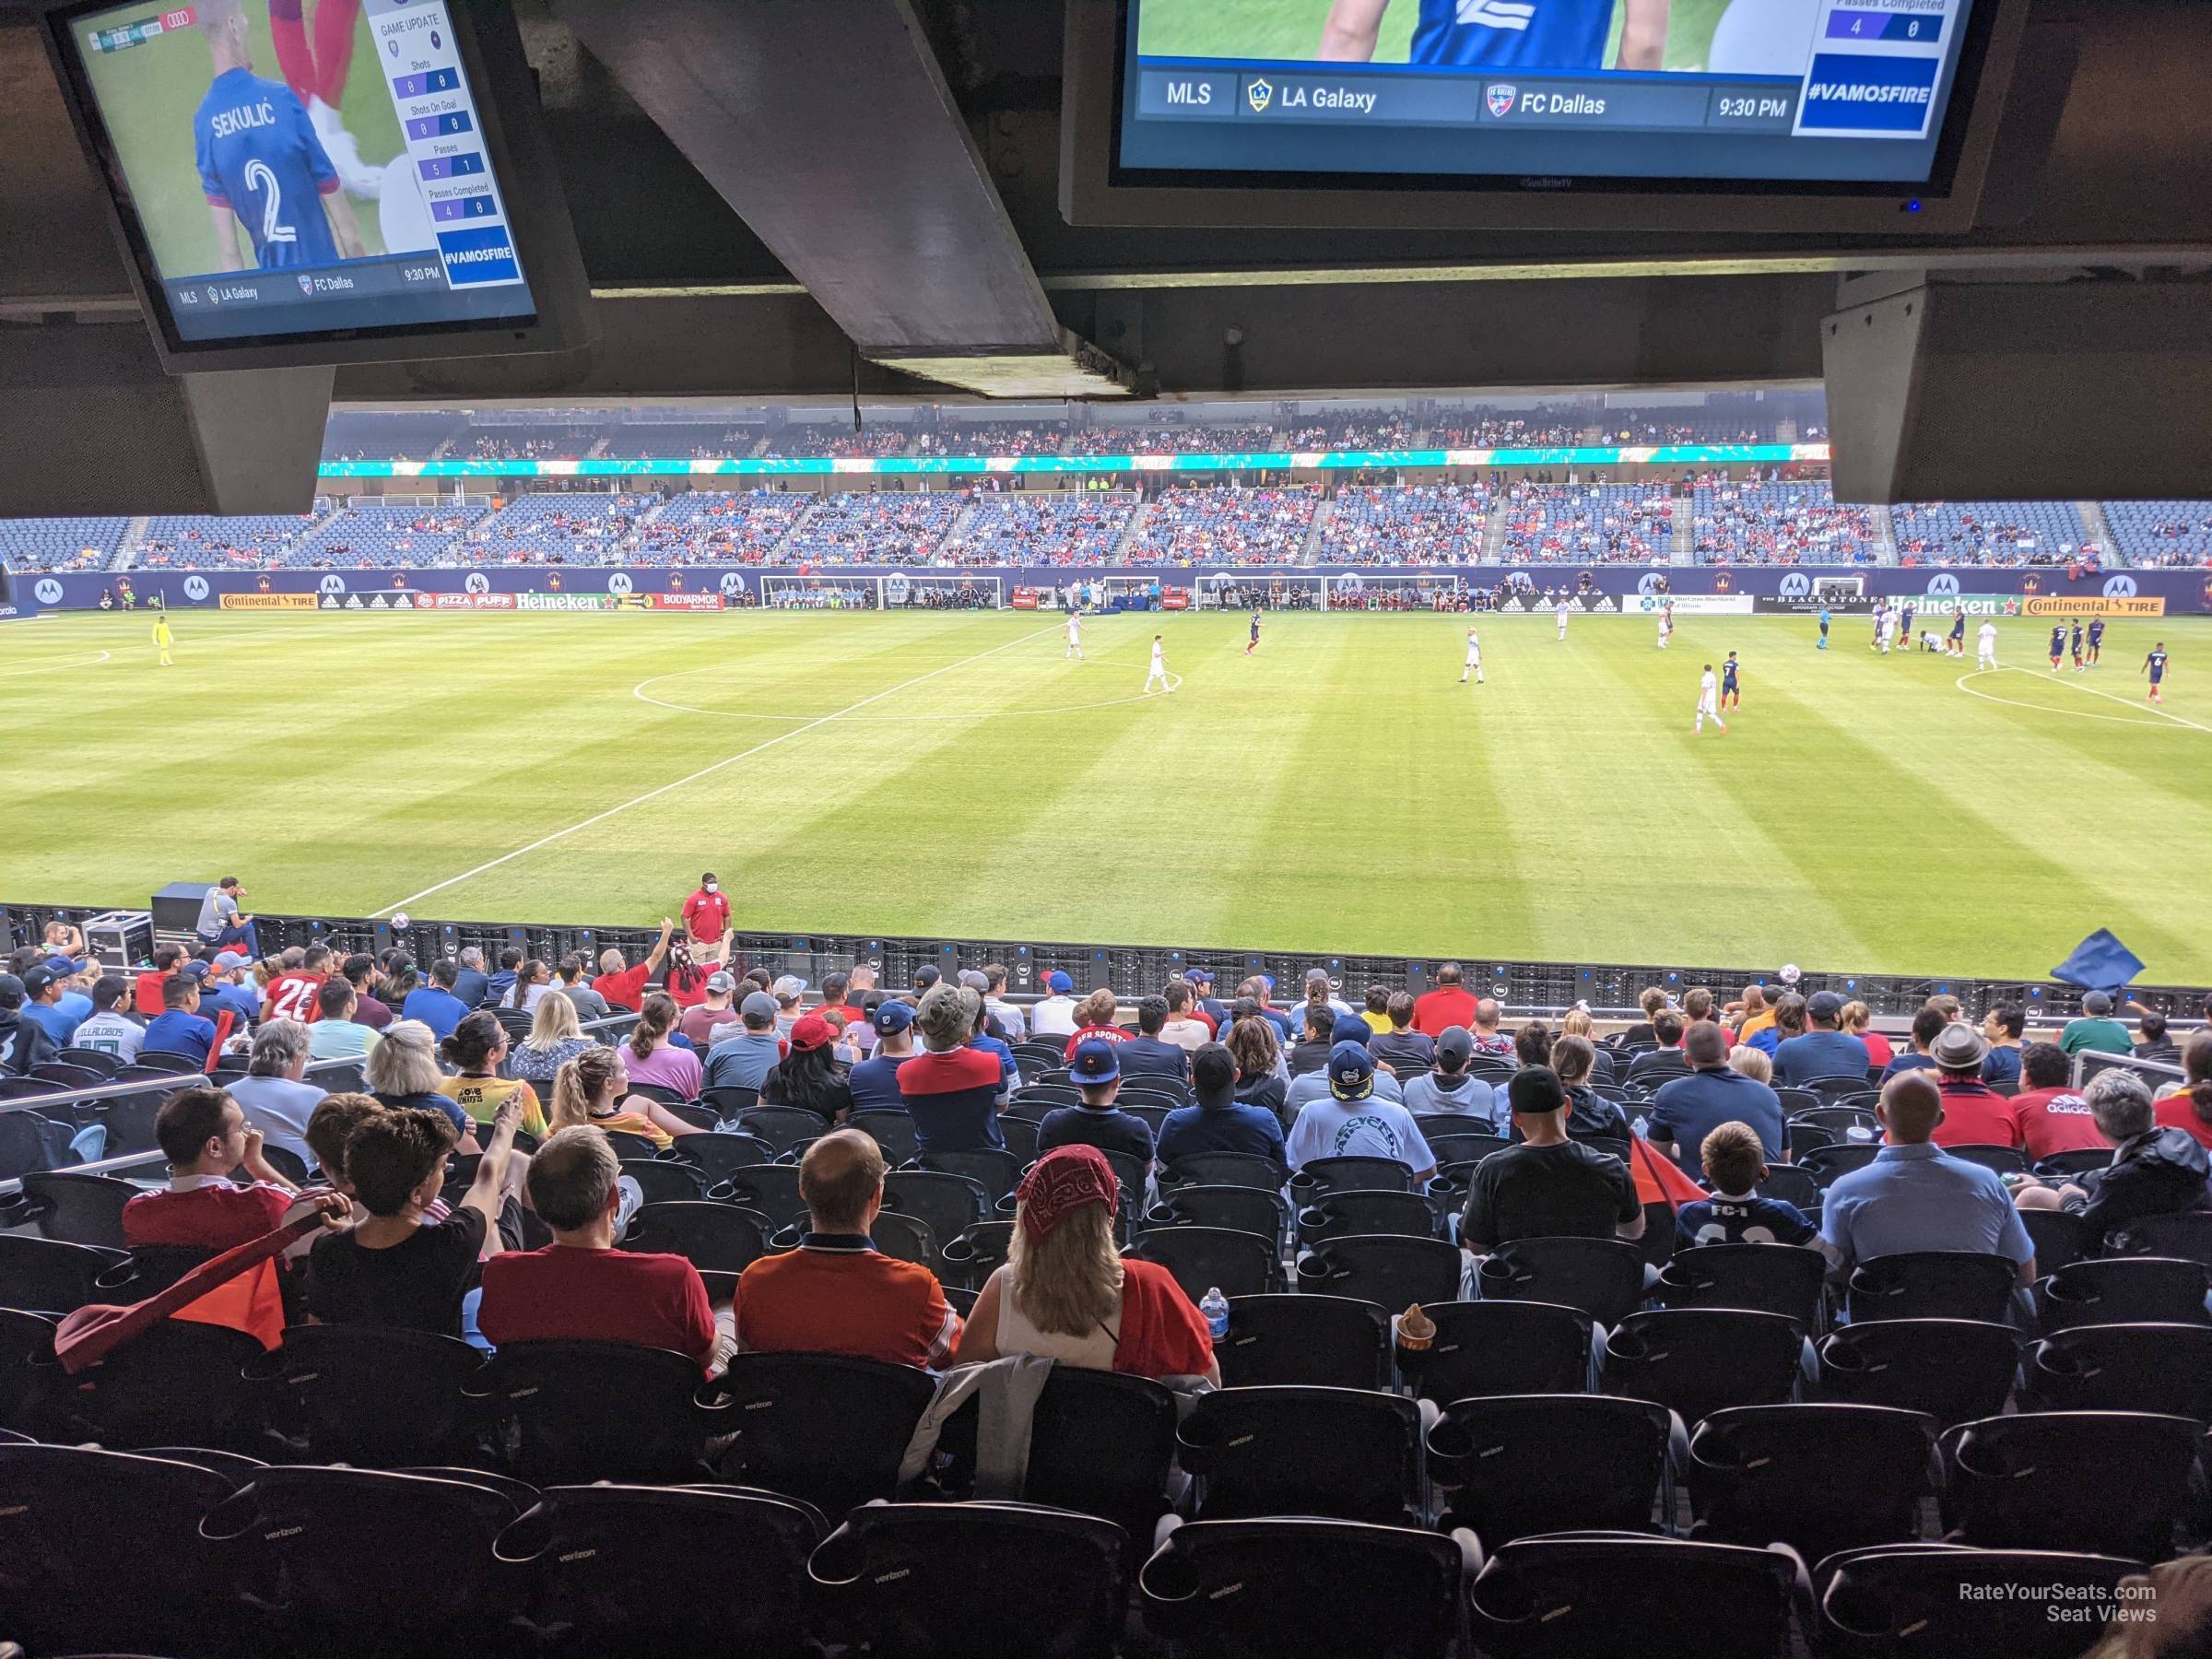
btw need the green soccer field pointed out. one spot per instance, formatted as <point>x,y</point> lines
<point>1291,29</point>
<point>954,774</point>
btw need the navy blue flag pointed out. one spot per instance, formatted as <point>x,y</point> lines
<point>2100,963</point>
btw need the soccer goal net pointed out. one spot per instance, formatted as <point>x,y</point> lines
<point>1396,591</point>
<point>822,592</point>
<point>903,590</point>
<point>1839,587</point>
<point>1270,590</point>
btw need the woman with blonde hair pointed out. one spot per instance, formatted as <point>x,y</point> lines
<point>556,1038</point>
<point>594,1088</point>
<point>1067,1294</point>
<point>1576,1022</point>
<point>1751,1063</point>
<point>651,1057</point>
<point>402,1071</point>
<point>1858,1020</point>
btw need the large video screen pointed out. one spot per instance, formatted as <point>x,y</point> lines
<point>295,169</point>
<point>1785,93</point>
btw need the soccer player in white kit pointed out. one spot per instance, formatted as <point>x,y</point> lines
<point>1159,667</point>
<point>1562,614</point>
<point>1709,700</point>
<point>1985,646</point>
<point>1667,624</point>
<point>1889,630</point>
<point>1075,635</point>
<point>1473,660</point>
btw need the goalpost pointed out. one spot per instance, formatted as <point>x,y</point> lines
<point>1395,590</point>
<point>1839,587</point>
<point>821,592</point>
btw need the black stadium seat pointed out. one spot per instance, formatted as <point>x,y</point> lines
<point>2124,1290</point>
<point>1499,1347</point>
<point>375,1397</point>
<point>551,1405</point>
<point>1226,1169</point>
<point>1819,1478</point>
<point>719,1155</point>
<point>1698,1360</point>
<point>47,1276</point>
<point>179,1382</point>
<point>1352,1453</point>
<point>1941,1601</point>
<point>1336,1214</point>
<point>768,1189</point>
<point>1616,1596</point>
<point>1315,1341</point>
<point>819,1426</point>
<point>1393,1269</point>
<point>2103,1482</point>
<point>78,1209</point>
<point>714,1238</point>
<point>1352,1174</point>
<point>1773,1278</point>
<point>974,1253</point>
<point>2187,1235</point>
<point>1932,1284</point>
<point>1239,1208</point>
<point>2157,1368</point>
<point>1603,1277</point>
<point>659,1181</point>
<point>1510,1465</point>
<point>949,1204</point>
<point>1951,1369</point>
<point>893,1133</point>
<point>1205,1258</point>
<point>1103,1444</point>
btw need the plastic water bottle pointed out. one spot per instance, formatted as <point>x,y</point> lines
<point>1214,1308</point>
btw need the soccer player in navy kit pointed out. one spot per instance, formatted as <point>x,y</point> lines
<point>1732,696</point>
<point>1504,34</point>
<point>2155,666</point>
<point>2096,639</point>
<point>1252,645</point>
<point>261,164</point>
<point>2058,645</point>
<point>2077,663</point>
<point>1957,645</point>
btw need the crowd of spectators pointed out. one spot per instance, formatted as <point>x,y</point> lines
<point>889,526</point>
<point>2167,534</point>
<point>1041,528</point>
<point>1225,524</point>
<point>1991,533</point>
<point>1354,430</point>
<point>718,526</point>
<point>1778,523</point>
<point>1427,523</point>
<point>376,535</point>
<point>1602,524</point>
<point>253,542</point>
<point>60,544</point>
<point>989,438</point>
<point>532,444</point>
<point>558,528</point>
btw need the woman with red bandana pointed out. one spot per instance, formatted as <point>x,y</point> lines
<point>1067,1294</point>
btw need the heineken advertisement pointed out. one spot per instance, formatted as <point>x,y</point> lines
<point>1674,454</point>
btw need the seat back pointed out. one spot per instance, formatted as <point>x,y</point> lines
<point>893,1133</point>
<point>1239,1208</point>
<point>783,1127</point>
<point>974,1253</point>
<point>2187,1235</point>
<point>1511,1465</point>
<point>1393,1270</point>
<point>1949,1368</point>
<point>2124,1290</point>
<point>1349,1174</point>
<point>903,1578</point>
<point>1699,1360</point>
<point>1771,1278</point>
<point>949,1204</point>
<point>1205,1258</point>
<point>823,1427</point>
<point>904,1237</point>
<point>1337,1214</point>
<point>720,1153</point>
<point>1819,1478</point>
<point>376,1398</point>
<point>1499,1347</point>
<point>714,1238</point>
<point>1791,1183</point>
<point>1103,1444</point>
<point>1599,1596</point>
<point>553,1421</point>
<point>1290,1451</point>
<point>1317,1341</point>
<point>30,1140</point>
<point>659,1181</point>
<point>78,1209</point>
<point>997,1172</point>
<point>2059,1238</point>
<point>1932,1284</point>
<point>769,1189</point>
<point>179,1383</point>
<point>1226,1169</point>
<point>2048,1480</point>
<point>2165,1368</point>
<point>1603,1277</point>
<point>2005,1160</point>
<point>1943,1602</point>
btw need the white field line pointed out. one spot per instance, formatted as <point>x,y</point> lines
<point>706,771</point>
<point>2127,702</point>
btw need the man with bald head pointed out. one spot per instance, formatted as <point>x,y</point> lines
<point>837,1293</point>
<point>1914,1196</point>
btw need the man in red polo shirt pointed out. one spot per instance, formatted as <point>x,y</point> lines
<point>627,985</point>
<point>707,919</point>
<point>837,1293</point>
<point>1973,1113</point>
<point>2051,1114</point>
<point>580,1287</point>
<point>1451,1003</point>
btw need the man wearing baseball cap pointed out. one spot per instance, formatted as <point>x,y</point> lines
<point>787,991</point>
<point>1352,1123</point>
<point>951,1089</point>
<point>700,1023</point>
<point>2095,1028</point>
<point>1825,1050</point>
<point>1973,1113</point>
<point>42,1006</point>
<point>1055,1016</point>
<point>23,1042</point>
<point>875,1080</point>
<point>1308,1087</point>
<point>1097,1074</point>
<point>744,1058</point>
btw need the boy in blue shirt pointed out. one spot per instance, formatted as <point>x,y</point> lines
<point>1735,1163</point>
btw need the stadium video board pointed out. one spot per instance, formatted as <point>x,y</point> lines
<point>1815,98</point>
<point>282,187</point>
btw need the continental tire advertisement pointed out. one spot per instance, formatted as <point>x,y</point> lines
<point>268,602</point>
<point>2095,605</point>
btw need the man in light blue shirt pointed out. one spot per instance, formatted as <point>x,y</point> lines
<point>1916,1196</point>
<point>1352,1121</point>
<point>745,1060</point>
<point>1315,1085</point>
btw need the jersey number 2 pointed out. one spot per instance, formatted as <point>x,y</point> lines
<point>261,179</point>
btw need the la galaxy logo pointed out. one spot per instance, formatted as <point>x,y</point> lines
<point>1502,99</point>
<point>1259,94</point>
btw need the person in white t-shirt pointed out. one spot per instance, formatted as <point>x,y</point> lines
<point>1667,624</point>
<point>1075,635</point>
<point>1159,667</point>
<point>1474,659</point>
<point>1709,699</point>
<point>1985,646</point>
<point>107,1029</point>
<point>1889,630</point>
<point>1562,614</point>
<point>1054,1015</point>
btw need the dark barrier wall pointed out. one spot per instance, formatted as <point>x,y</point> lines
<point>2178,592</point>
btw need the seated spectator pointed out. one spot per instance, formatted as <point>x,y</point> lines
<point>532,983</point>
<point>594,1089</point>
<point>1219,1121</point>
<point>43,988</point>
<point>205,1136</point>
<point>1688,1109</point>
<point>1310,1053</point>
<point>1973,1113</point>
<point>2003,1027</point>
<point>1450,1086</point>
<point>790,992</point>
<point>1451,1003</point>
<point>590,1004</point>
<point>1489,1038</point>
<point>1148,1055</point>
<point>621,986</point>
<point>396,1267</point>
<point>147,990</point>
<point>1589,1116</point>
<point>1055,1013</point>
<point>1825,1050</point>
<point>2154,1170</point>
<point>435,1004</point>
<point>178,1030</point>
<point>809,1075</point>
<point>1789,1024</point>
<point>1576,1022</point>
<point>402,1071</point>
<point>2052,1115</point>
<point>2154,1044</point>
<point>1096,1072</point>
<point>950,1089</point>
<point>1377,1013</point>
<point>360,971</point>
<point>1261,1080</point>
<point>653,1058</point>
<point>713,1008</point>
<point>1353,1122</point>
<point>1753,1013</point>
<point>1066,1293</point>
<point>1735,1165</point>
<point>1397,1044</point>
<point>981,1037</point>
<point>340,1034</point>
<point>1095,1018</point>
<point>837,1293</point>
<point>580,1287</point>
<point>1858,1020</point>
<point>473,986</point>
<point>1548,1186</point>
<point>229,991</point>
<point>272,1093</point>
<point>335,1117</point>
<point>1916,1196</point>
<point>1653,1001</point>
<point>1186,1026</point>
<point>1697,1005</point>
<point>2095,1028</point>
<point>1927,1025</point>
<point>2190,1107</point>
<point>1753,1062</point>
<point>107,1030</point>
<point>476,1050</point>
<point>743,1059</point>
<point>872,1085</point>
<point>556,1038</point>
<point>1658,1064</point>
<point>1308,1087</point>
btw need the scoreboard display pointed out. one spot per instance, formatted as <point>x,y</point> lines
<point>288,174</point>
<point>1795,94</point>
